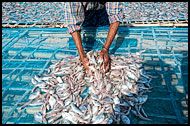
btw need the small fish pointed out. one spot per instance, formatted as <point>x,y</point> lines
<point>116,100</point>
<point>142,99</point>
<point>48,107</point>
<point>115,72</point>
<point>142,111</point>
<point>34,89</point>
<point>108,87</point>
<point>38,117</point>
<point>133,99</point>
<point>52,120</point>
<point>132,76</point>
<point>128,111</point>
<point>98,119</point>
<point>95,110</point>
<point>125,119</point>
<point>83,108</point>
<point>59,120</point>
<point>34,81</point>
<point>36,102</point>
<point>65,121</point>
<point>59,79</point>
<point>67,102</point>
<point>34,95</point>
<point>75,109</point>
<point>43,109</point>
<point>37,78</point>
<point>45,78</point>
<point>26,104</point>
<point>68,116</point>
<point>140,115</point>
<point>126,92</point>
<point>60,73</point>
<point>116,108</point>
<point>87,117</point>
<point>79,118</point>
<point>124,104</point>
<point>108,100</point>
<point>130,103</point>
<point>52,101</point>
<point>110,121</point>
<point>118,67</point>
<point>96,103</point>
<point>52,112</point>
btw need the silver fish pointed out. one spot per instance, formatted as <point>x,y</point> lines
<point>38,117</point>
<point>125,119</point>
<point>34,81</point>
<point>69,117</point>
<point>75,109</point>
<point>34,95</point>
<point>74,96</point>
<point>52,101</point>
<point>98,119</point>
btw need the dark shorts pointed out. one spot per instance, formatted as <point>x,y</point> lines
<point>96,18</point>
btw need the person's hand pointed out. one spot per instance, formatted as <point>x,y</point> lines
<point>104,54</point>
<point>85,63</point>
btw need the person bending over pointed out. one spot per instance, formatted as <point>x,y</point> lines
<point>75,15</point>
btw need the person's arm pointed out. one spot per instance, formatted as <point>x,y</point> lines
<point>77,39</point>
<point>104,54</point>
<point>115,17</point>
<point>74,17</point>
<point>111,34</point>
<point>114,11</point>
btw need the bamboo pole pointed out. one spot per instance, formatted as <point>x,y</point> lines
<point>174,23</point>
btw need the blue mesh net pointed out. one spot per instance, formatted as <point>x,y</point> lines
<point>30,51</point>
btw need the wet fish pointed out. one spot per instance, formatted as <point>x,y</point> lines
<point>98,119</point>
<point>125,119</point>
<point>52,101</point>
<point>67,94</point>
<point>38,117</point>
<point>75,109</point>
<point>34,95</point>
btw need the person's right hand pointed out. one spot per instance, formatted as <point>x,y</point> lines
<point>85,63</point>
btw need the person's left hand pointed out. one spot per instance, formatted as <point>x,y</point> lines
<point>104,54</point>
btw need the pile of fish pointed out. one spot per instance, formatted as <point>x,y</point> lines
<point>69,95</point>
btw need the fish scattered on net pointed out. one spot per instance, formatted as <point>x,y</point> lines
<point>49,12</point>
<point>68,95</point>
<point>149,11</point>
